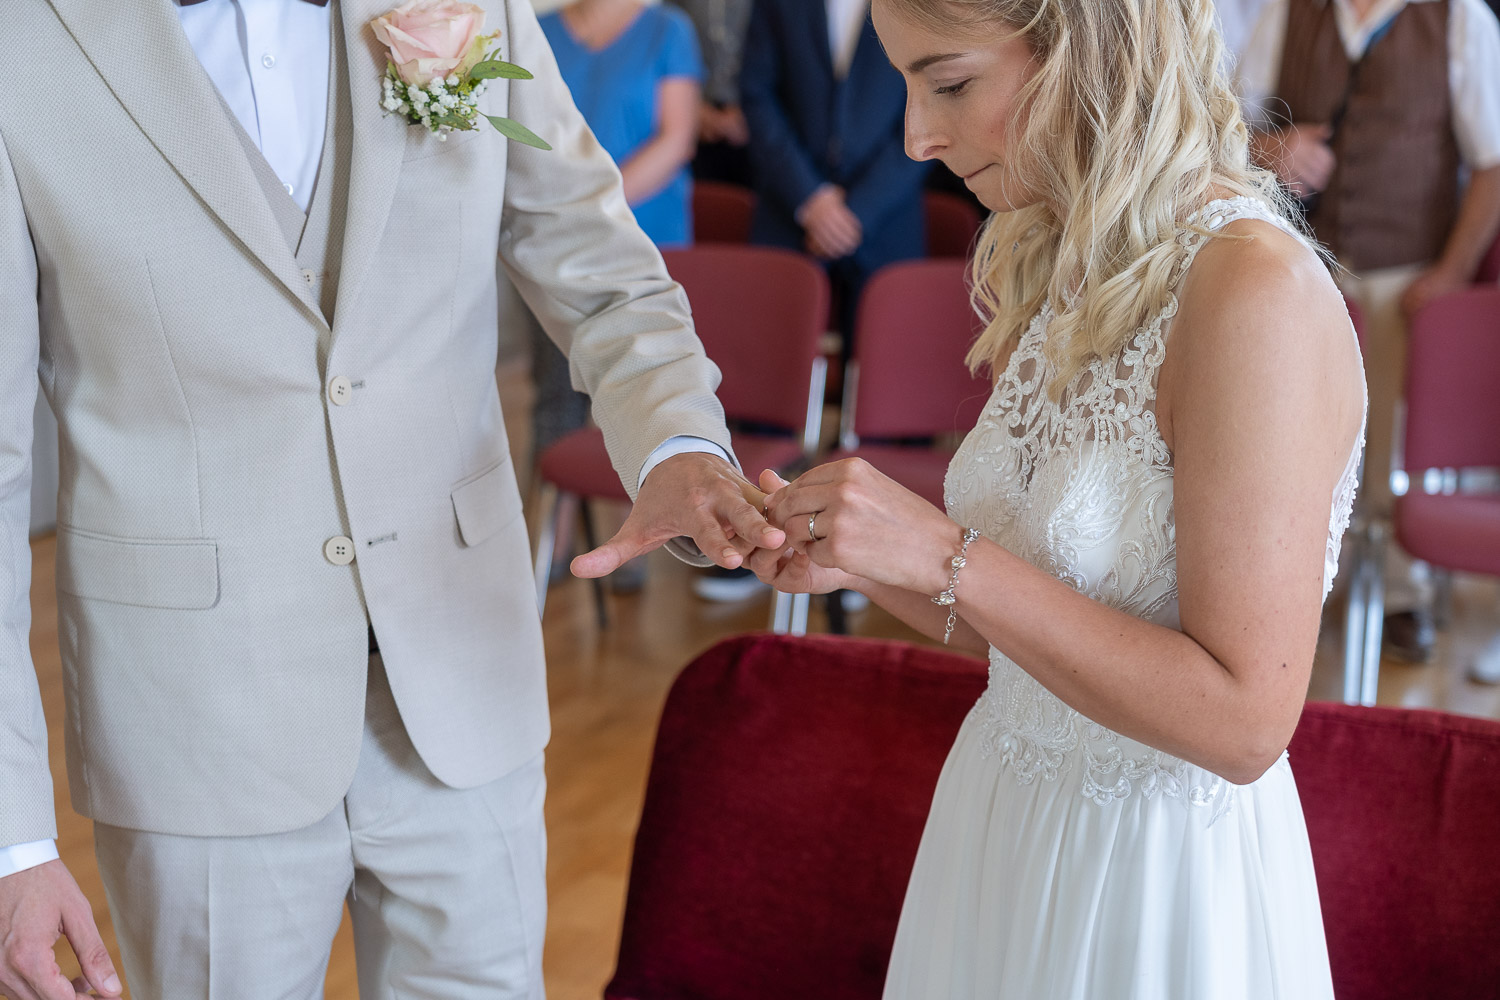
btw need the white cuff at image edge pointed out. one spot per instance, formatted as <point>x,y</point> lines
<point>682,444</point>
<point>23,856</point>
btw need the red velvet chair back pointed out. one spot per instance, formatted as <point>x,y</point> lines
<point>1453,383</point>
<point>789,787</point>
<point>791,781</point>
<point>915,325</point>
<point>722,212</point>
<point>759,312</point>
<point>952,224</point>
<point>1403,809</point>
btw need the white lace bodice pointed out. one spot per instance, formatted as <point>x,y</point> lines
<point>1081,487</point>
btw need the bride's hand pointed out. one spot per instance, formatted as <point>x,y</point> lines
<point>789,570</point>
<point>849,516</point>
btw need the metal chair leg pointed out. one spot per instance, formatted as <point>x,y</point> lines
<point>1442,597</point>
<point>590,539</point>
<point>1374,615</point>
<point>557,512</point>
<point>789,613</point>
<point>1354,622</point>
<point>546,542</point>
<point>800,604</point>
<point>781,613</point>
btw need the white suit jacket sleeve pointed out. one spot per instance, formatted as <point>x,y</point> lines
<point>593,279</point>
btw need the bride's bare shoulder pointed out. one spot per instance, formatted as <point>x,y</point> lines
<point>1259,310</point>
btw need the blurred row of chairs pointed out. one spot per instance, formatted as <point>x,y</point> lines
<point>763,314</point>
<point>1449,514</point>
<point>722,213</point>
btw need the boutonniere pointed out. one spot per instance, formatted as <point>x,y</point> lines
<point>439,63</point>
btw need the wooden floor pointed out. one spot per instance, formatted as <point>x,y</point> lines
<point>607,688</point>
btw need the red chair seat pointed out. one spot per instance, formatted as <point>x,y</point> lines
<point>791,780</point>
<point>578,463</point>
<point>783,815</point>
<point>1403,817</point>
<point>1459,532</point>
<point>920,470</point>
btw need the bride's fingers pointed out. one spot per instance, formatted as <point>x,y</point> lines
<point>796,503</point>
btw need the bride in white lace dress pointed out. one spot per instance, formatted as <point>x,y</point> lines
<point>1157,488</point>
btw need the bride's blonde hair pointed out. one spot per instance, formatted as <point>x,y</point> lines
<point>1129,124</point>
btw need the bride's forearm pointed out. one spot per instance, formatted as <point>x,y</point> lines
<point>918,611</point>
<point>1148,682</point>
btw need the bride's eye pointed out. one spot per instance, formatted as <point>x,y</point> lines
<point>952,89</point>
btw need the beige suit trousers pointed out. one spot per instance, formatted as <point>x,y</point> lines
<point>446,889</point>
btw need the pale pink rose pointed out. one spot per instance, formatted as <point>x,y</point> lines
<point>429,39</point>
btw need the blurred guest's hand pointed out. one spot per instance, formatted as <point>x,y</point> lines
<point>832,230</point>
<point>726,124</point>
<point>1302,158</point>
<point>1436,281</point>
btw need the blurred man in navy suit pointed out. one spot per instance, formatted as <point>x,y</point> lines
<point>825,109</point>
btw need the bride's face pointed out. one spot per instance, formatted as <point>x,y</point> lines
<point>962,101</point>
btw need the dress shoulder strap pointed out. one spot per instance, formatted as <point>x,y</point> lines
<point>1147,348</point>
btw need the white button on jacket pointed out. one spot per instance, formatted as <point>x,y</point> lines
<point>339,550</point>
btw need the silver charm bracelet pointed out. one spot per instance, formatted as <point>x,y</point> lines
<point>947,598</point>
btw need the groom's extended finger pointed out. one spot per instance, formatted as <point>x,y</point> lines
<point>604,560</point>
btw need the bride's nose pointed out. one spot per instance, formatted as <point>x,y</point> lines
<point>924,141</point>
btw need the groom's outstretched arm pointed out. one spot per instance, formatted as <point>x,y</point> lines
<point>601,291</point>
<point>42,902</point>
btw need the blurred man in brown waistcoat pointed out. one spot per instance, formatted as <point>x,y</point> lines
<point>1384,116</point>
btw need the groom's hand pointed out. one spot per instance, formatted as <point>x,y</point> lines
<point>38,906</point>
<point>694,494</point>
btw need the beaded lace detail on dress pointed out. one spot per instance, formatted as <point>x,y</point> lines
<point>1081,487</point>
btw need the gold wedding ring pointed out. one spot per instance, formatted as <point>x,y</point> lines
<point>812,528</point>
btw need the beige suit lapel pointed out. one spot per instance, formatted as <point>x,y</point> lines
<point>378,149</point>
<point>145,59</point>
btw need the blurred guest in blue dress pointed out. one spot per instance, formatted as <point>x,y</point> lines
<point>636,75</point>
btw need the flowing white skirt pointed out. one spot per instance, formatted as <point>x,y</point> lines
<point>1037,892</point>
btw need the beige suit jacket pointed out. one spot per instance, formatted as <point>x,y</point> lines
<point>215,660</point>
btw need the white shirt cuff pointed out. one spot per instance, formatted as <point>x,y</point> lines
<point>682,444</point>
<point>20,857</point>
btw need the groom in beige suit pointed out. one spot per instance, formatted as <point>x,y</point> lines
<point>297,622</point>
